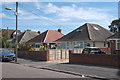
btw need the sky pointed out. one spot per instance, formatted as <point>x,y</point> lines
<point>42,16</point>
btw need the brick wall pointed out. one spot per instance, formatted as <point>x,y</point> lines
<point>117,51</point>
<point>49,55</point>
<point>96,59</point>
<point>34,55</point>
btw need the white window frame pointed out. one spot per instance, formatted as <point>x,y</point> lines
<point>117,44</point>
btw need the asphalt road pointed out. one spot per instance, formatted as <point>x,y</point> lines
<point>10,70</point>
<point>101,71</point>
<point>88,70</point>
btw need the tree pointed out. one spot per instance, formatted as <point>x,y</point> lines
<point>115,25</point>
<point>4,40</point>
<point>28,30</point>
<point>5,43</point>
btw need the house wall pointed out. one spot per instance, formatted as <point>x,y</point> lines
<point>80,44</point>
<point>99,44</point>
<point>113,47</point>
<point>71,45</point>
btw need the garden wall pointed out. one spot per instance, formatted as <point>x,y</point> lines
<point>95,59</point>
<point>48,55</point>
<point>34,55</point>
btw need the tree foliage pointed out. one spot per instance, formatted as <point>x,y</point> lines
<point>115,25</point>
<point>24,47</point>
<point>4,40</point>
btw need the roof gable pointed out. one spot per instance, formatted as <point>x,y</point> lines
<point>76,34</point>
<point>52,35</point>
<point>26,36</point>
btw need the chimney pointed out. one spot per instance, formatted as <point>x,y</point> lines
<point>38,32</point>
<point>59,30</point>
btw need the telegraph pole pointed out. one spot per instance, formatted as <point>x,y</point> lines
<point>16,39</point>
<point>16,47</point>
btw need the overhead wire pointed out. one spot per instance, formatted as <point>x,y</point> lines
<point>49,21</point>
<point>43,18</point>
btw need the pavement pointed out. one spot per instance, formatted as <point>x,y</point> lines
<point>92,71</point>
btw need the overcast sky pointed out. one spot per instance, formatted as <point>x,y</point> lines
<point>41,16</point>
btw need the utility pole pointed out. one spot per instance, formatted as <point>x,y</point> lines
<point>16,40</point>
<point>16,47</point>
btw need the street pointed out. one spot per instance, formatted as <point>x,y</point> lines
<point>101,71</point>
<point>10,70</point>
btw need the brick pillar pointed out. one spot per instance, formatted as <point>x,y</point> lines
<point>112,46</point>
<point>47,55</point>
<point>70,52</point>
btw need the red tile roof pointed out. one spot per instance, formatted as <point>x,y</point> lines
<point>47,36</point>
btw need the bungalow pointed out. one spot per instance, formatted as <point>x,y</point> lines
<point>114,41</point>
<point>26,36</point>
<point>87,35</point>
<point>46,39</point>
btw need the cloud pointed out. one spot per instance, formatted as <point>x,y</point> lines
<point>65,15</point>
<point>75,16</point>
<point>75,12</point>
<point>50,8</point>
<point>64,19</point>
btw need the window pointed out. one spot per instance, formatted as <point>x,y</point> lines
<point>61,45</point>
<point>93,43</point>
<point>118,44</point>
<point>79,45</point>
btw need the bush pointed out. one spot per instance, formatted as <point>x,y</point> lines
<point>41,48</point>
<point>31,49</point>
<point>26,47</point>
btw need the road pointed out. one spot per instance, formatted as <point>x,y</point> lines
<point>94,70</point>
<point>11,70</point>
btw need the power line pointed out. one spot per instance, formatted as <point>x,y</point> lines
<point>52,23</point>
<point>43,18</point>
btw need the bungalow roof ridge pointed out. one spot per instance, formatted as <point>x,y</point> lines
<point>88,30</point>
<point>46,36</point>
<point>21,37</point>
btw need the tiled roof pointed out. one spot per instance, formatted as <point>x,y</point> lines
<point>26,36</point>
<point>47,36</point>
<point>86,32</point>
<point>115,36</point>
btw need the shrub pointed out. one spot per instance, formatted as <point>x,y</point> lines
<point>31,49</point>
<point>24,47</point>
<point>41,48</point>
